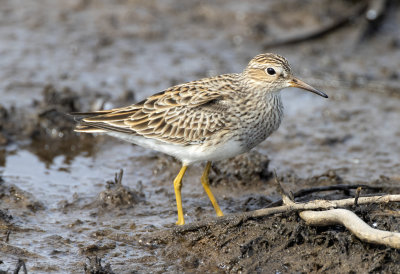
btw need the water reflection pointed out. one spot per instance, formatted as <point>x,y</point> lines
<point>2,157</point>
<point>48,149</point>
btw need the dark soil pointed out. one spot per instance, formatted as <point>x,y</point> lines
<point>280,244</point>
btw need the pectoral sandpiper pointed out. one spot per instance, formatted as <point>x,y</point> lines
<point>205,120</point>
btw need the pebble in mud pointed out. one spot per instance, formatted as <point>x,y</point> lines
<point>13,196</point>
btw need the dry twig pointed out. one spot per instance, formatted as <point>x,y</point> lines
<point>353,223</point>
<point>346,218</point>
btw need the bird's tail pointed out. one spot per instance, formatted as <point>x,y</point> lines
<point>86,127</point>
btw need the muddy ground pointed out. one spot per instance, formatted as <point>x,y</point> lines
<point>63,211</point>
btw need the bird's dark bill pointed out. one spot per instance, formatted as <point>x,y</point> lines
<point>296,83</point>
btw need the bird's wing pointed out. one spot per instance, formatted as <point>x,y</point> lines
<point>185,114</point>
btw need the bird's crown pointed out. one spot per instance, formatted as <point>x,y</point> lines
<point>263,60</point>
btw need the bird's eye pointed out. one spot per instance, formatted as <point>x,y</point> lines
<point>271,71</point>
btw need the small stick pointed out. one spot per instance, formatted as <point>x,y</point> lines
<point>21,263</point>
<point>118,177</point>
<point>358,192</point>
<point>8,236</point>
<point>285,197</point>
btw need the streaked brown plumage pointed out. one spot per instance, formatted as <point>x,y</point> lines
<point>205,120</point>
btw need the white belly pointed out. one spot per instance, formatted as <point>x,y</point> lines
<point>188,154</point>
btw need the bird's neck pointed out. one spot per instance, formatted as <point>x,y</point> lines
<point>264,114</point>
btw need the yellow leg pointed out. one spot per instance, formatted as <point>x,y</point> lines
<point>177,187</point>
<point>206,185</point>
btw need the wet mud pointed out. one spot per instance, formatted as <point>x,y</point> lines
<point>65,207</point>
<point>280,244</point>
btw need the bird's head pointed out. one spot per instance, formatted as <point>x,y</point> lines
<point>272,72</point>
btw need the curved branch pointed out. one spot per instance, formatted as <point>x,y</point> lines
<point>353,223</point>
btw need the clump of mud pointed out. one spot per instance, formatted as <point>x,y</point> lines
<point>95,267</point>
<point>52,113</point>
<point>117,195</point>
<point>5,218</point>
<point>44,119</point>
<point>47,124</point>
<point>12,125</point>
<point>245,169</point>
<point>14,197</point>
